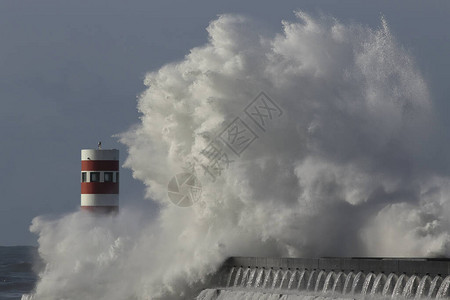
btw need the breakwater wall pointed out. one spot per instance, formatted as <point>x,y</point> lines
<point>331,277</point>
<point>408,266</point>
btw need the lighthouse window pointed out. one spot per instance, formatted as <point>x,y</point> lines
<point>108,177</point>
<point>117,176</point>
<point>95,176</point>
<point>83,176</point>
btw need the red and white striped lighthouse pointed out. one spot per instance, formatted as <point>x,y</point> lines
<point>100,180</point>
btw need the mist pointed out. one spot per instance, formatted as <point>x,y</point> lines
<point>337,164</point>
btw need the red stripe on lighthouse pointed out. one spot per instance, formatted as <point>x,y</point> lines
<point>104,165</point>
<point>99,188</point>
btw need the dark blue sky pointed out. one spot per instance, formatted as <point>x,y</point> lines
<point>70,73</point>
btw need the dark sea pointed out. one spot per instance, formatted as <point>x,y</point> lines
<point>17,271</point>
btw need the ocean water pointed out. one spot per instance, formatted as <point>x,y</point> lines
<point>18,273</point>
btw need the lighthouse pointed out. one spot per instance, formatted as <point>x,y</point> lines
<point>100,180</point>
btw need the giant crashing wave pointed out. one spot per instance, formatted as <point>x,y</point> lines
<point>350,167</point>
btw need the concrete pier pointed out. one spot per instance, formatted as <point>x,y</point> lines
<point>408,266</point>
<point>406,278</point>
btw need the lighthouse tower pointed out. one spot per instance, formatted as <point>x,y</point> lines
<point>100,180</point>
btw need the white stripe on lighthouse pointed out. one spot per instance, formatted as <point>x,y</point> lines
<point>99,200</point>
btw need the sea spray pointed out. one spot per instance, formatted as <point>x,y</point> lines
<point>339,172</point>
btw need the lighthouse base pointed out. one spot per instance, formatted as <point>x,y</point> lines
<point>101,209</point>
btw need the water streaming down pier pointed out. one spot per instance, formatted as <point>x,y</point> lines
<point>269,278</point>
